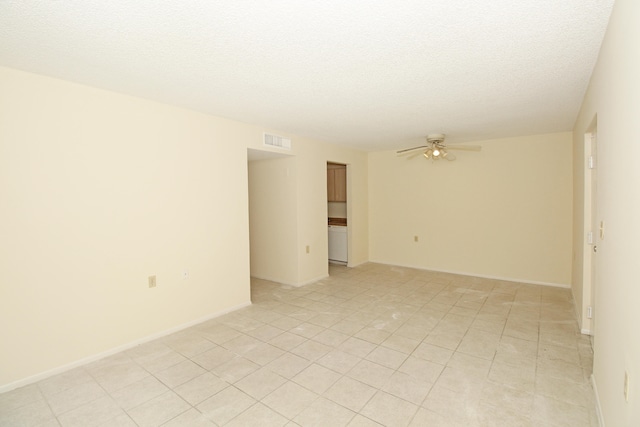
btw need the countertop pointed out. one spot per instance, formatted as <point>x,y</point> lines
<point>337,221</point>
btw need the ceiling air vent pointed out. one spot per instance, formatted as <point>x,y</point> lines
<point>277,141</point>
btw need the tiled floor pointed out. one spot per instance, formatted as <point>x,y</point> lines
<point>373,345</point>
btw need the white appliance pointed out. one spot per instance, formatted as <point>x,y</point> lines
<point>338,243</point>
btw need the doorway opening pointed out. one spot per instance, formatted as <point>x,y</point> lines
<point>337,215</point>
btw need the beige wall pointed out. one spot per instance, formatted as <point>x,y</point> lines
<point>614,98</point>
<point>273,215</point>
<point>503,212</point>
<point>100,190</point>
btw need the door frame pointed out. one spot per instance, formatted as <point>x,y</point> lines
<point>591,228</point>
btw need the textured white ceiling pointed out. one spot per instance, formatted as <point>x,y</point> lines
<point>363,73</point>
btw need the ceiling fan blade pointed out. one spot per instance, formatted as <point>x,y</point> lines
<point>412,154</point>
<point>464,147</point>
<point>408,150</point>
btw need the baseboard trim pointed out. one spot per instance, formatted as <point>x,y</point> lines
<point>484,276</point>
<point>86,360</point>
<point>308,282</point>
<point>295,285</point>
<point>597,397</point>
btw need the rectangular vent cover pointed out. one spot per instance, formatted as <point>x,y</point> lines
<point>277,141</point>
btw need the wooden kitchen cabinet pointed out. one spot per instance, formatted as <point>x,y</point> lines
<point>336,183</point>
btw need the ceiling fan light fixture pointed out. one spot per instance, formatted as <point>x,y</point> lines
<point>436,152</point>
<point>428,153</point>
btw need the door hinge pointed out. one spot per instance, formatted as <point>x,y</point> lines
<point>590,237</point>
<point>591,162</point>
<point>589,312</point>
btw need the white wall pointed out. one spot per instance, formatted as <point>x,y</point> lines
<point>614,97</point>
<point>503,212</point>
<point>99,190</point>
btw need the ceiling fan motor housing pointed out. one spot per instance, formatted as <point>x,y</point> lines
<point>435,138</point>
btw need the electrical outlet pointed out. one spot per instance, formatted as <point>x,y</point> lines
<point>185,274</point>
<point>415,238</point>
<point>308,249</point>
<point>152,281</point>
<point>626,386</point>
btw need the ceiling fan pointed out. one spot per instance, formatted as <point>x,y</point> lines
<point>436,149</point>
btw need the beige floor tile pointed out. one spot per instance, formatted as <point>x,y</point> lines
<point>371,373</point>
<point>287,341</point>
<point>484,352</point>
<point>264,354</point>
<point>564,390</point>
<point>425,417</point>
<point>180,373</point>
<point>213,358</point>
<point>19,397</point>
<point>339,361</point>
<point>357,347</point>
<point>554,352</point>
<point>474,366</point>
<point>479,344</point>
<point>265,333</point>
<point>258,414</point>
<point>288,365</point>
<point>372,335</point>
<point>159,410</point>
<point>242,344</point>
<point>64,381</point>
<point>548,411</point>
<point>316,378</point>
<point>31,414</point>
<point>94,413</point>
<point>235,369</point>
<point>307,330</point>
<point>400,343</point>
<point>459,407</point>
<point>225,405</point>
<point>348,327</point>
<point>507,397</point>
<point>350,393</point>
<point>191,418</point>
<point>360,421</point>
<point>331,338</point>
<point>200,388</point>
<point>433,353</point>
<point>387,357</point>
<point>260,383</point>
<point>561,369</point>
<point>189,343</point>
<point>121,376</point>
<point>520,377</point>
<point>311,350</point>
<point>285,323</point>
<point>324,412</point>
<point>290,399</point>
<point>74,397</point>
<point>407,387</point>
<point>421,369</point>
<point>389,410</point>
<point>139,392</point>
<point>163,360</point>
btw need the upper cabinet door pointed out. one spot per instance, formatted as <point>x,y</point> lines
<point>341,184</point>
<point>337,183</point>
<point>331,185</point>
